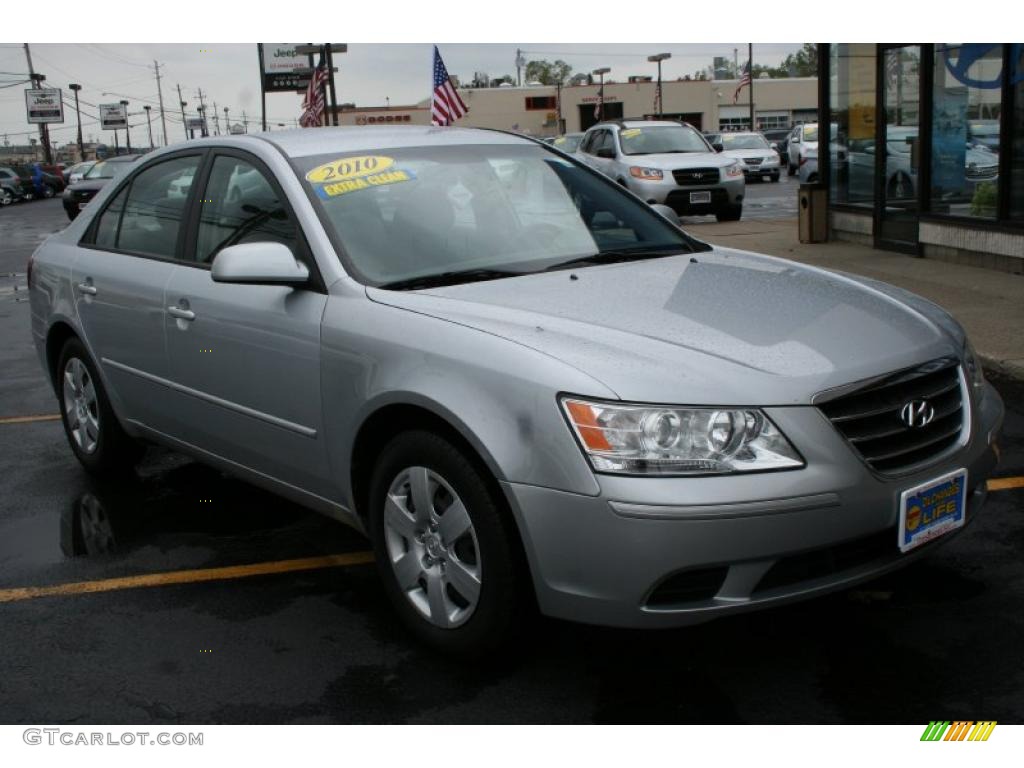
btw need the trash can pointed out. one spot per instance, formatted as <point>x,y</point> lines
<point>813,223</point>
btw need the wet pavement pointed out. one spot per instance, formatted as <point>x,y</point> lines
<point>938,640</point>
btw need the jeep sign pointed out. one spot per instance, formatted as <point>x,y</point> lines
<point>44,105</point>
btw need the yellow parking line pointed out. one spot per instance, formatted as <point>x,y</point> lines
<point>1005,483</point>
<point>29,419</point>
<point>187,577</point>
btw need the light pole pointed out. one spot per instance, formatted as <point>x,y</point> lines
<point>201,109</point>
<point>184,122</point>
<point>659,57</point>
<point>127,129</point>
<point>81,146</point>
<point>227,123</point>
<point>149,125</point>
<point>599,109</point>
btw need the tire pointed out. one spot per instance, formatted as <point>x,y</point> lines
<point>469,599</point>
<point>6,199</point>
<point>71,214</point>
<point>775,178</point>
<point>48,192</point>
<point>729,213</point>
<point>790,170</point>
<point>93,431</point>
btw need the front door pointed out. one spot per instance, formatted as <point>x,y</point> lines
<point>245,359</point>
<point>897,155</point>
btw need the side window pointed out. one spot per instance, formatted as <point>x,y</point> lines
<point>155,207</point>
<point>110,221</point>
<point>602,141</point>
<point>241,206</point>
<point>586,142</point>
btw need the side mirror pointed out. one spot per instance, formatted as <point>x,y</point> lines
<point>667,212</point>
<point>774,145</point>
<point>718,146</point>
<point>258,263</point>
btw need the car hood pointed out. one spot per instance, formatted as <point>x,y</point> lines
<point>718,327</point>
<point>675,160</point>
<point>89,185</point>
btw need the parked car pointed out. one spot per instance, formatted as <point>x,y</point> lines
<point>801,139</point>
<point>778,138</point>
<point>984,133</point>
<point>45,180</point>
<point>759,160</point>
<point>75,173</point>
<point>568,142</point>
<point>527,386</point>
<point>667,162</point>
<point>12,186</point>
<point>78,195</point>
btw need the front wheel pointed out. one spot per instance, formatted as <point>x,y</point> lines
<point>93,432</point>
<point>775,178</point>
<point>444,545</point>
<point>48,192</point>
<point>729,213</point>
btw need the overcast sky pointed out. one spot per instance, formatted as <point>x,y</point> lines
<point>229,75</point>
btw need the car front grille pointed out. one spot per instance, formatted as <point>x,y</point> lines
<point>689,177</point>
<point>753,160</point>
<point>974,172</point>
<point>870,417</point>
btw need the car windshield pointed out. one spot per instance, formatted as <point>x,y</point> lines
<point>661,139</point>
<point>744,141</point>
<point>568,143</point>
<point>404,217</point>
<point>106,169</point>
<point>810,133</point>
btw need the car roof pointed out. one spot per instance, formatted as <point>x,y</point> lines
<point>639,123</point>
<point>302,142</point>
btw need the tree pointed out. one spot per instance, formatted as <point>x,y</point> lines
<point>548,73</point>
<point>803,63</point>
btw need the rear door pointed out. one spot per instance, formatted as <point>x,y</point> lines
<point>245,359</point>
<point>120,270</point>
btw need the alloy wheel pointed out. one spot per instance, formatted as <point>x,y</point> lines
<point>432,547</point>
<point>80,406</point>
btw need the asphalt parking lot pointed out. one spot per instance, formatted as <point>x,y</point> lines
<point>223,603</point>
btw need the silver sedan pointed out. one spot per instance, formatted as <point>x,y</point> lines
<point>529,388</point>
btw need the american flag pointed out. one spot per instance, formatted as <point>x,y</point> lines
<point>446,105</point>
<point>745,80</point>
<point>313,103</point>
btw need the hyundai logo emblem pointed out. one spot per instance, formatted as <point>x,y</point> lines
<point>698,175</point>
<point>917,413</point>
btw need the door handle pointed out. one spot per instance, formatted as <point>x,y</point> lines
<point>88,288</point>
<point>181,314</point>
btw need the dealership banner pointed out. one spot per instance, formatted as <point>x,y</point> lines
<point>283,68</point>
<point>113,117</point>
<point>44,105</point>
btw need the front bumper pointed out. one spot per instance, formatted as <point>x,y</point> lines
<point>662,552</point>
<point>724,193</point>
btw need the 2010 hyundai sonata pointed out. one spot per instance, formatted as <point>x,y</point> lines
<point>522,382</point>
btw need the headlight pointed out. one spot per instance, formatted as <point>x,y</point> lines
<point>647,174</point>
<point>972,364</point>
<point>653,440</point>
<point>772,160</point>
<point>734,170</point>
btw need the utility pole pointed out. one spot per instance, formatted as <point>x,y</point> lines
<point>520,63</point>
<point>44,134</point>
<point>81,147</point>
<point>160,96</point>
<point>184,122</point>
<point>227,122</point>
<point>245,121</point>
<point>659,57</point>
<point>216,119</point>
<point>202,112</point>
<point>127,126</point>
<point>149,125</point>
<point>750,74</point>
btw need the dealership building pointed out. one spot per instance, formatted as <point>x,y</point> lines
<point>927,149</point>
<point>535,110</point>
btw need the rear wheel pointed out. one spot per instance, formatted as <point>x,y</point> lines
<point>48,191</point>
<point>729,213</point>
<point>92,429</point>
<point>444,545</point>
<point>6,198</point>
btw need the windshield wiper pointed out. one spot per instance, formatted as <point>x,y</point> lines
<point>611,257</point>
<point>449,278</point>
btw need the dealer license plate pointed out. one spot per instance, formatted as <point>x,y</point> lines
<point>932,509</point>
<point>700,197</point>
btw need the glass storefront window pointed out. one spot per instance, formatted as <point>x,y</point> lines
<point>852,112</point>
<point>967,100</point>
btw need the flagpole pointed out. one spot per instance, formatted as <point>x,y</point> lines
<point>750,70</point>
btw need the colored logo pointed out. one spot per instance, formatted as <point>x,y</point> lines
<point>959,730</point>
